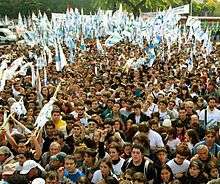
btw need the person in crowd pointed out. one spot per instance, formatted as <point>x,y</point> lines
<point>209,141</point>
<point>105,170</point>
<point>179,165</point>
<point>139,163</point>
<point>195,173</point>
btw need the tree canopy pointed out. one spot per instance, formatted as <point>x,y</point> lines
<point>25,7</point>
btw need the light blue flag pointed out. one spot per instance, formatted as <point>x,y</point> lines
<point>99,46</point>
<point>190,61</point>
<point>71,56</point>
<point>82,44</point>
<point>63,61</point>
<point>20,21</point>
<point>113,39</point>
<point>57,57</point>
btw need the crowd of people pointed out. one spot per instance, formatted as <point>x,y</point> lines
<point>112,123</point>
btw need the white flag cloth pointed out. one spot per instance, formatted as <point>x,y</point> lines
<point>45,112</point>
<point>18,107</point>
<point>113,39</point>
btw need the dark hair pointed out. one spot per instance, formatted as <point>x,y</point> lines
<point>210,131</point>
<point>163,101</point>
<point>143,127</point>
<point>137,105</point>
<point>111,180</point>
<point>143,140</point>
<point>69,157</point>
<point>52,175</point>
<point>49,123</point>
<point>211,98</point>
<point>116,146</point>
<point>138,146</point>
<point>83,180</point>
<point>60,134</point>
<point>193,134</point>
<point>107,161</point>
<point>183,150</point>
<point>172,131</point>
<point>165,166</point>
<point>198,164</point>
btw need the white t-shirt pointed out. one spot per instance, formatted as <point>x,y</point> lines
<point>173,143</point>
<point>117,167</point>
<point>155,139</point>
<point>178,168</point>
<point>212,116</point>
<point>97,176</point>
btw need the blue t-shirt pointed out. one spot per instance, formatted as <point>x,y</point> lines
<point>73,176</point>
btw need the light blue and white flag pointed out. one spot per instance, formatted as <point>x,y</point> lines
<point>113,39</point>
<point>99,46</point>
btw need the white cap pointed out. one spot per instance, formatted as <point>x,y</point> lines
<point>30,164</point>
<point>38,181</point>
<point>167,123</point>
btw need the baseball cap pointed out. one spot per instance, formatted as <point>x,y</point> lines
<point>4,150</point>
<point>30,164</point>
<point>167,123</point>
<point>38,181</point>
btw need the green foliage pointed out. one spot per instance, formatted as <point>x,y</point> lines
<point>25,7</point>
<point>203,9</point>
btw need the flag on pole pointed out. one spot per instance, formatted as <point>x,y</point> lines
<point>33,76</point>
<point>99,46</point>
<point>113,39</point>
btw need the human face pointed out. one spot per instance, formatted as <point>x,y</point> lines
<point>76,131</point>
<point>194,171</point>
<point>214,173</point>
<point>116,108</point>
<point>117,125</point>
<point>182,114</point>
<point>127,150</point>
<point>113,154</point>
<point>162,107</point>
<point>88,159</point>
<point>203,154</point>
<point>105,170</point>
<point>33,173</point>
<point>137,111</point>
<point>22,148</point>
<point>96,136</point>
<point>56,116</point>
<point>194,121</point>
<point>50,130</point>
<point>179,159</point>
<point>95,105</point>
<point>210,139</point>
<point>80,111</point>
<point>21,159</point>
<point>165,175</point>
<point>162,156</point>
<point>212,104</point>
<point>70,165</point>
<point>136,155</point>
<point>2,158</point>
<point>54,150</point>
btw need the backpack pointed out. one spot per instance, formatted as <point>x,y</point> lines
<point>146,164</point>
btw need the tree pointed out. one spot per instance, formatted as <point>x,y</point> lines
<point>136,6</point>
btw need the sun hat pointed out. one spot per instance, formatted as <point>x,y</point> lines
<point>30,164</point>
<point>38,181</point>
